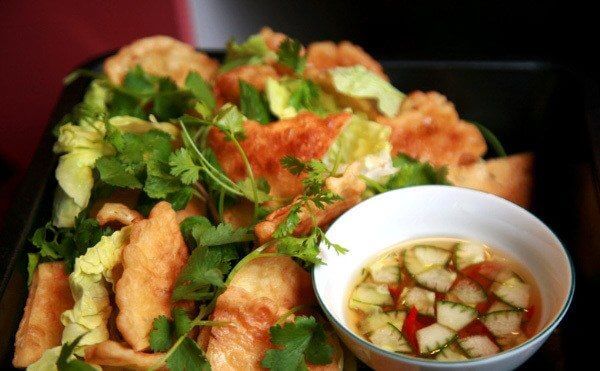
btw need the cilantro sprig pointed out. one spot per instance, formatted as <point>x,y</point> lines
<point>229,121</point>
<point>315,195</point>
<point>410,173</point>
<point>301,341</point>
<point>290,55</point>
<point>64,363</point>
<point>66,243</point>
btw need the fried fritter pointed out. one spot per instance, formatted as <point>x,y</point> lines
<point>277,278</point>
<point>151,263</point>
<point>324,55</point>
<point>162,56</point>
<point>227,85</point>
<point>349,186</point>
<point>306,136</point>
<point>242,343</point>
<point>115,354</point>
<point>117,213</point>
<point>429,129</point>
<point>508,177</point>
<point>272,39</point>
<point>40,328</point>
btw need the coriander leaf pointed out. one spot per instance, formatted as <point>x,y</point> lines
<point>202,274</point>
<point>138,82</point>
<point>181,322</point>
<point>246,187</point>
<point>223,234</point>
<point>160,335</point>
<point>293,164</point>
<point>180,198</point>
<point>253,104</point>
<point>187,356</point>
<point>64,364</point>
<point>124,104</point>
<point>305,95</point>
<point>230,120</point>
<point>304,248</point>
<point>412,173</point>
<point>289,224</point>
<point>170,104</point>
<point>161,185</point>
<point>114,172</point>
<point>183,166</point>
<point>302,340</point>
<point>290,54</point>
<point>203,233</point>
<point>200,89</point>
<point>253,51</point>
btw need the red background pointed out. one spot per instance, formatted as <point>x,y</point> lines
<point>41,41</point>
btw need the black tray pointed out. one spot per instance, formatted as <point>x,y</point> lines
<point>531,106</point>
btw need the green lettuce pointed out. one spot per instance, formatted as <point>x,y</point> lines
<point>253,51</point>
<point>359,82</point>
<point>89,280</point>
<point>287,97</point>
<point>364,141</point>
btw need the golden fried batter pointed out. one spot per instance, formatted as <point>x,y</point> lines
<point>115,354</point>
<point>428,128</point>
<point>162,56</point>
<point>277,278</point>
<point>40,328</point>
<point>242,343</point>
<point>306,136</point>
<point>227,85</point>
<point>152,261</point>
<point>272,39</point>
<point>508,177</point>
<point>349,186</point>
<point>117,213</point>
<point>324,55</point>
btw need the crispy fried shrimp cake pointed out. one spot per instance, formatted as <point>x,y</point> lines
<point>161,56</point>
<point>277,278</point>
<point>115,354</point>
<point>508,177</point>
<point>151,263</point>
<point>429,129</point>
<point>116,213</point>
<point>324,55</point>
<point>306,136</point>
<point>227,85</point>
<point>40,328</point>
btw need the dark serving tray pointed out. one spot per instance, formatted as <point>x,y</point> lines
<point>531,106</point>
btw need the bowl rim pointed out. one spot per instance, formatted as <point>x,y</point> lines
<point>457,364</point>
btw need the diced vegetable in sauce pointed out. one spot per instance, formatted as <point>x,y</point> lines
<point>444,299</point>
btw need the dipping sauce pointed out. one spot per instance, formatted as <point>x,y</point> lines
<point>446,299</point>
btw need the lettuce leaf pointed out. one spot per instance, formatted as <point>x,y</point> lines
<point>287,97</point>
<point>253,51</point>
<point>357,140</point>
<point>359,82</point>
<point>88,285</point>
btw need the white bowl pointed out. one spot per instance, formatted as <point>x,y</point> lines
<point>441,211</point>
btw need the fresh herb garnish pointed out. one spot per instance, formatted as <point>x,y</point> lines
<point>63,363</point>
<point>68,243</point>
<point>410,173</point>
<point>301,341</point>
<point>253,104</point>
<point>290,55</point>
